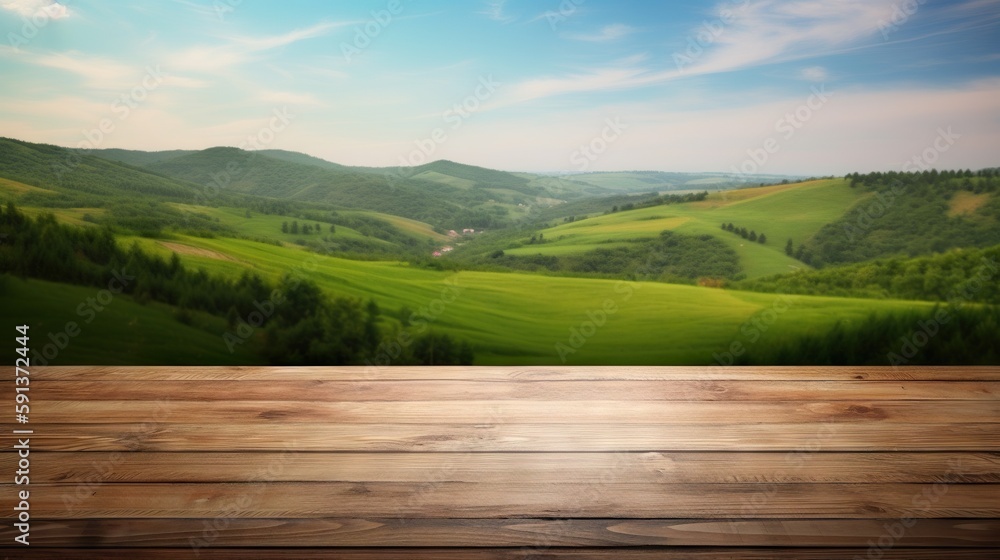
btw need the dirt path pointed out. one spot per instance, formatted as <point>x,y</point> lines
<point>197,251</point>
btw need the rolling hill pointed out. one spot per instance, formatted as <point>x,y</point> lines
<point>795,211</point>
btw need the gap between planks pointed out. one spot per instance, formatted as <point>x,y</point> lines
<point>528,532</point>
<point>514,373</point>
<point>543,468</point>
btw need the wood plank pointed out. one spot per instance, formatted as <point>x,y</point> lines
<point>158,436</point>
<point>541,468</point>
<point>539,553</point>
<point>352,532</point>
<point>512,373</point>
<point>473,500</point>
<point>518,412</point>
<point>684,390</point>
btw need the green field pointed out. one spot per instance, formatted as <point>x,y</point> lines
<point>121,332</point>
<point>783,212</point>
<point>520,318</point>
<point>406,225</point>
<point>269,225</point>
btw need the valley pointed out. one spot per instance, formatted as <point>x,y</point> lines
<point>601,269</point>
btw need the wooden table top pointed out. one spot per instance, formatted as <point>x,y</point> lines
<point>497,463</point>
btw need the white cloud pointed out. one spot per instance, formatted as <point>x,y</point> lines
<point>31,8</point>
<point>495,11</point>
<point>288,98</point>
<point>856,130</point>
<point>239,50</point>
<point>294,36</point>
<point>814,74</point>
<point>758,33</point>
<point>607,33</point>
<point>97,72</point>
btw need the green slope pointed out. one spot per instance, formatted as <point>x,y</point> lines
<point>781,212</point>
<point>520,318</point>
<point>83,178</point>
<point>123,332</point>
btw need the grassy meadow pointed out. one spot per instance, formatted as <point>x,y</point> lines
<point>782,212</point>
<point>520,318</point>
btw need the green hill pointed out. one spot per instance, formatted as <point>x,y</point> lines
<point>84,179</point>
<point>796,211</point>
<point>123,332</point>
<point>529,319</point>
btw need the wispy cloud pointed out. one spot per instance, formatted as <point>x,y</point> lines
<point>275,41</point>
<point>759,33</point>
<point>607,33</point>
<point>98,72</point>
<point>814,74</point>
<point>29,8</point>
<point>242,49</point>
<point>288,98</point>
<point>494,9</point>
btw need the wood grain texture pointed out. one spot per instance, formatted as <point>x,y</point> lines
<point>519,412</point>
<point>612,498</point>
<point>528,533</point>
<point>355,391</point>
<point>155,435</point>
<point>541,553</point>
<point>542,468</point>
<point>502,463</point>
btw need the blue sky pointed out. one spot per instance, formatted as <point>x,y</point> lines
<point>798,87</point>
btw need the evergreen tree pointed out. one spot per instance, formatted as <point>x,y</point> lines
<point>295,227</point>
<point>753,236</point>
<point>762,239</point>
<point>789,250</point>
<point>284,227</point>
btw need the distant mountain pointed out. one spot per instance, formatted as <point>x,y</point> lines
<point>139,158</point>
<point>261,174</point>
<point>83,177</point>
<point>298,157</point>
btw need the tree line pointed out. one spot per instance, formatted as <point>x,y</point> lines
<point>748,235</point>
<point>303,327</point>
